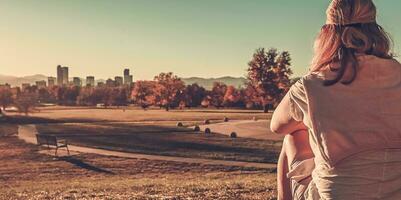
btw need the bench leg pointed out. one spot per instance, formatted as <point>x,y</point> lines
<point>68,151</point>
<point>55,153</point>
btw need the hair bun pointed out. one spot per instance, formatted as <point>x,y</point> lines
<point>344,12</point>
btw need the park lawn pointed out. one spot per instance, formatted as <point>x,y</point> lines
<point>26,174</point>
<point>163,138</point>
<point>134,114</point>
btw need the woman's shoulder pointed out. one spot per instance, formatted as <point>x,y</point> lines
<point>312,77</point>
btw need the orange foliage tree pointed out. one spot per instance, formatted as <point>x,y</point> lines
<point>168,88</point>
<point>269,75</point>
<point>143,93</point>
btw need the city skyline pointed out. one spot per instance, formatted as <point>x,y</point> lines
<point>190,38</point>
<point>89,80</point>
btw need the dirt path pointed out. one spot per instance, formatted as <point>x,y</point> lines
<point>28,132</point>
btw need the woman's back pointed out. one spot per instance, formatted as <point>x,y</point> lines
<point>347,119</point>
<point>355,130</point>
<point>351,103</point>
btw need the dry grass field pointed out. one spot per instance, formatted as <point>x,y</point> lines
<point>134,114</point>
<point>27,174</point>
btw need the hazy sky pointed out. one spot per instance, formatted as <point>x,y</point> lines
<point>206,38</point>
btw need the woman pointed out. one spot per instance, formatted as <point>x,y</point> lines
<point>350,103</point>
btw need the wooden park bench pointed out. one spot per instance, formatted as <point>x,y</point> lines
<point>51,140</point>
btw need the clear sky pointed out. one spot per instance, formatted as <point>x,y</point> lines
<point>206,38</point>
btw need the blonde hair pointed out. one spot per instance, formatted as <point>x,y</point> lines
<point>350,28</point>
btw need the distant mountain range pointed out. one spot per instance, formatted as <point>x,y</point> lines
<point>18,81</point>
<point>204,82</point>
<point>208,82</point>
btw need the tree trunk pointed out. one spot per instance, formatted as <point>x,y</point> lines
<point>266,108</point>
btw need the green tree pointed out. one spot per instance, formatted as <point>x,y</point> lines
<point>269,75</point>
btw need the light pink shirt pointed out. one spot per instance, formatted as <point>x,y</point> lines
<point>348,119</point>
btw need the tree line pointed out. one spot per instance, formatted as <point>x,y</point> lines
<point>268,79</point>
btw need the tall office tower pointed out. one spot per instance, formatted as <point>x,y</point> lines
<point>127,77</point>
<point>76,81</point>
<point>90,81</point>
<point>126,72</point>
<point>51,81</point>
<point>118,80</point>
<point>40,84</point>
<point>65,75</point>
<point>59,75</point>
<point>62,75</point>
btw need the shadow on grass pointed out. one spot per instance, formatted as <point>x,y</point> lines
<point>222,111</point>
<point>82,164</point>
<point>22,119</point>
<point>161,140</point>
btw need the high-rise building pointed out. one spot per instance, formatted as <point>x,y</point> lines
<point>51,81</point>
<point>40,84</point>
<point>76,81</point>
<point>90,81</point>
<point>59,75</point>
<point>62,75</point>
<point>65,75</point>
<point>126,72</point>
<point>118,80</point>
<point>127,77</point>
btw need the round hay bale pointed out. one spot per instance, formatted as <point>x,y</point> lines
<point>255,119</point>
<point>196,128</point>
<point>208,131</point>
<point>206,121</point>
<point>179,124</point>
<point>225,119</point>
<point>233,135</point>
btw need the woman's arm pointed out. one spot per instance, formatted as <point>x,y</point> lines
<point>283,183</point>
<point>282,122</point>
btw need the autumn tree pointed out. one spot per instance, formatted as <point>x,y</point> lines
<point>26,101</point>
<point>120,96</point>
<point>250,97</point>
<point>168,88</point>
<point>231,97</point>
<point>217,94</point>
<point>193,95</point>
<point>45,95</point>
<point>6,97</point>
<point>85,97</point>
<point>269,75</point>
<point>67,95</point>
<point>106,96</point>
<point>143,93</point>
